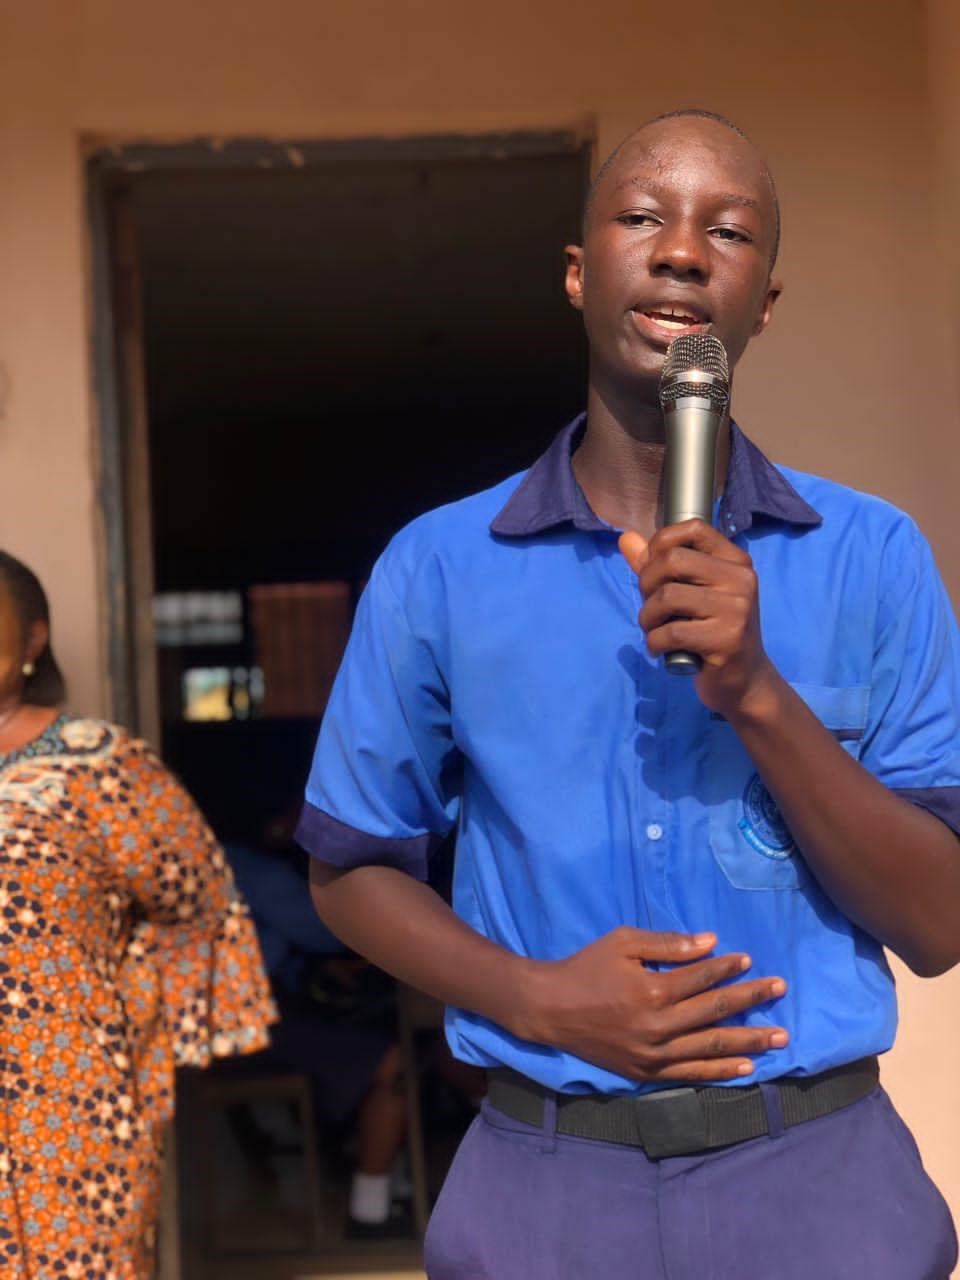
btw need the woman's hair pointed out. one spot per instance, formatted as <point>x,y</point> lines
<point>46,687</point>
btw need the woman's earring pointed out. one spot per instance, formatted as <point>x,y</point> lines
<point>28,669</point>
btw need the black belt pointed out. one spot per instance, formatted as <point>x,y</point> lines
<point>680,1122</point>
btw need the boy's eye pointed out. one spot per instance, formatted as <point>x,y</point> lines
<point>638,219</point>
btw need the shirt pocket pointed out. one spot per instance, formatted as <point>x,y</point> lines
<point>748,835</point>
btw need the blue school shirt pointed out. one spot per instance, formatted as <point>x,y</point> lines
<point>496,680</point>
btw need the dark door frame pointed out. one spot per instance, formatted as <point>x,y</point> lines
<point>112,172</point>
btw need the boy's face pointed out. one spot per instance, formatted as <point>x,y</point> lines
<point>679,239</point>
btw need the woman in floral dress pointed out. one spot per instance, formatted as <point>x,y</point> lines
<point>124,953</point>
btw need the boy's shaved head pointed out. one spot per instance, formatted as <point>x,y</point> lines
<point>695,113</point>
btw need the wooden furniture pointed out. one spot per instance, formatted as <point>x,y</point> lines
<point>415,1011</point>
<point>214,1095</point>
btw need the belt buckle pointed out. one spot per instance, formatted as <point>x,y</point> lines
<point>671,1122</point>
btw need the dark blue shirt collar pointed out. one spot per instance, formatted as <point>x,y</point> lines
<point>549,495</point>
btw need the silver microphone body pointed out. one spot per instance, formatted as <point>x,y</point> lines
<point>694,393</point>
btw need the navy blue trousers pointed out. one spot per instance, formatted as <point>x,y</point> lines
<point>844,1197</point>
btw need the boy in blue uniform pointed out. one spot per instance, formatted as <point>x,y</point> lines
<point>671,897</point>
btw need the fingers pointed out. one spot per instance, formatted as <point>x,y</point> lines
<point>695,534</point>
<point>703,992</point>
<point>715,640</point>
<point>672,1024</point>
<point>686,1027</point>
<point>714,1006</point>
<point>663,947</point>
<point>711,1052</point>
<point>695,974</point>
<point>684,564</point>
<point>693,552</point>
<point>633,548</point>
<point>700,1071</point>
<point>700,536</point>
<point>719,1052</point>
<point>679,600</point>
<point>692,996</point>
<point>677,985</point>
<point>690,571</point>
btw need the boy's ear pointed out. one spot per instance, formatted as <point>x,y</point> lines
<point>574,277</point>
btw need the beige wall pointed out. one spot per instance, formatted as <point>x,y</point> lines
<point>943,44</point>
<point>857,378</point>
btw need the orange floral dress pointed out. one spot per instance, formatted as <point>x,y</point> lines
<point>125,952</point>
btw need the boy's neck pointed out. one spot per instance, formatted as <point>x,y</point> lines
<point>619,463</point>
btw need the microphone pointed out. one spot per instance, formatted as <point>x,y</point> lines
<point>694,393</point>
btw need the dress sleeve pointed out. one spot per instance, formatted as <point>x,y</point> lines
<point>193,958</point>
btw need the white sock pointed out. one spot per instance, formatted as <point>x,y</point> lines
<point>370,1197</point>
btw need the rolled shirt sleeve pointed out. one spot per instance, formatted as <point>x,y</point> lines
<point>383,787</point>
<point>912,738</point>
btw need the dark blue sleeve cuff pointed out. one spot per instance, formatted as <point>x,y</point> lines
<point>328,840</point>
<point>942,802</point>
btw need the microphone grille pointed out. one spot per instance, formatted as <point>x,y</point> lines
<point>702,353</point>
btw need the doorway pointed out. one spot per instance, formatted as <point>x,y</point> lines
<point>300,347</point>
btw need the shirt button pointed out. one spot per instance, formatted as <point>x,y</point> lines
<point>654,830</point>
